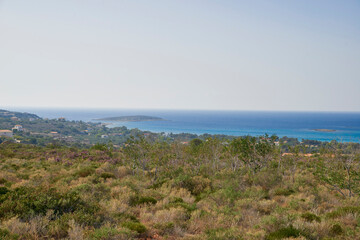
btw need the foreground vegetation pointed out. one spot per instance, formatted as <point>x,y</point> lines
<point>214,189</point>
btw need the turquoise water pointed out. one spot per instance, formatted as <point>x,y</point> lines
<point>237,123</point>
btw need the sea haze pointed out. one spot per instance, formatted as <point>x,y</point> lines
<point>299,125</point>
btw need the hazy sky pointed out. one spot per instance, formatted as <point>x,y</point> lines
<point>240,55</point>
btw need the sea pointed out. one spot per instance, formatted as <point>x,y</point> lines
<point>299,125</point>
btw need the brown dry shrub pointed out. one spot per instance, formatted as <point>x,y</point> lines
<point>182,193</point>
<point>200,221</point>
<point>175,215</point>
<point>38,226</point>
<point>122,171</point>
<point>207,205</point>
<point>254,234</point>
<point>75,231</point>
<point>266,206</point>
<point>201,184</point>
<point>15,226</point>
<point>114,206</point>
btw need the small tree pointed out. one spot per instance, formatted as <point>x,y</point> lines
<point>340,171</point>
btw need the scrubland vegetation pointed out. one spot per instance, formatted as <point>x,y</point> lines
<point>215,189</point>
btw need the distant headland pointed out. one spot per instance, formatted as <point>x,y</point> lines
<point>324,130</point>
<point>137,118</point>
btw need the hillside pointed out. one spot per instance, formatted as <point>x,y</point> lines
<point>20,115</point>
<point>203,190</point>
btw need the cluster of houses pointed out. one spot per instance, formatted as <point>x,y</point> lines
<point>9,133</point>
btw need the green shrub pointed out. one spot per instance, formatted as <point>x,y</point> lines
<point>89,217</point>
<point>267,179</point>
<point>3,181</point>
<point>309,217</point>
<point>165,228</point>
<point>283,191</point>
<point>178,203</point>
<point>6,235</point>
<point>138,200</point>
<point>26,201</point>
<point>283,233</point>
<point>86,171</point>
<point>100,147</point>
<point>4,190</point>
<point>342,211</point>
<point>176,200</point>
<point>23,176</point>
<point>124,217</point>
<point>184,181</point>
<point>134,226</point>
<point>107,175</point>
<point>336,229</point>
<point>105,233</point>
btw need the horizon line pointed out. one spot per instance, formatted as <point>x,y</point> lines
<point>169,109</point>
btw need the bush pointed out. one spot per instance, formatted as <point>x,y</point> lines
<point>137,200</point>
<point>200,184</point>
<point>86,171</point>
<point>124,217</point>
<point>107,175</point>
<point>165,228</point>
<point>283,191</point>
<point>185,181</point>
<point>267,179</point>
<point>342,211</point>
<point>309,217</point>
<point>3,181</point>
<point>26,201</point>
<point>134,226</point>
<point>4,190</point>
<point>109,233</point>
<point>336,229</point>
<point>223,233</point>
<point>283,233</point>
<point>6,235</point>
<point>179,202</point>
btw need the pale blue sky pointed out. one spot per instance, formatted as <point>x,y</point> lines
<point>238,55</point>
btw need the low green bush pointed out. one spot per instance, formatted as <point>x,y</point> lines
<point>165,228</point>
<point>6,235</point>
<point>138,200</point>
<point>109,233</point>
<point>134,226</point>
<point>3,181</point>
<point>84,172</point>
<point>336,229</point>
<point>107,175</point>
<point>4,190</point>
<point>342,211</point>
<point>310,217</point>
<point>283,191</point>
<point>25,202</point>
<point>124,217</point>
<point>188,207</point>
<point>282,233</point>
<point>223,233</point>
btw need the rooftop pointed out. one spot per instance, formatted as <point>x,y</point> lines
<point>6,131</point>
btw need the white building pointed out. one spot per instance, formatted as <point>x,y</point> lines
<point>18,128</point>
<point>6,133</point>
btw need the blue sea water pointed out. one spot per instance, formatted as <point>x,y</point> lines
<point>237,123</point>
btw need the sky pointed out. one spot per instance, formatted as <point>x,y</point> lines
<point>282,55</point>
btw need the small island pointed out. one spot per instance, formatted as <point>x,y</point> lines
<point>324,130</point>
<point>137,118</point>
